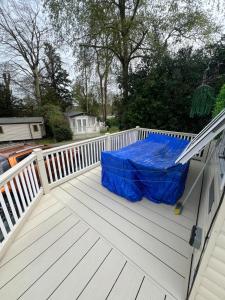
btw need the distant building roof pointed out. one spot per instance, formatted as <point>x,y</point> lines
<point>21,120</point>
<point>74,113</point>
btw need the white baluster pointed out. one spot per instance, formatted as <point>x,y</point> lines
<point>49,168</point>
<point>79,157</point>
<point>28,184</point>
<point>5,210</point>
<point>3,230</point>
<point>28,200</point>
<point>16,197</point>
<point>53,157</point>
<point>71,159</point>
<point>75,158</point>
<point>67,163</point>
<point>32,180</point>
<point>85,155</point>
<point>35,176</point>
<point>59,165</point>
<point>21,193</point>
<point>82,156</point>
<point>11,204</point>
<point>63,163</point>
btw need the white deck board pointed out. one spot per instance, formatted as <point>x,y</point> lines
<point>108,273</point>
<point>175,228</point>
<point>149,291</point>
<point>35,270</point>
<point>44,204</point>
<point>127,285</point>
<point>27,240</point>
<point>36,220</point>
<point>83,273</point>
<point>150,264</point>
<point>83,242</point>
<point>15,266</point>
<point>190,209</point>
<point>64,267</point>
<point>152,229</point>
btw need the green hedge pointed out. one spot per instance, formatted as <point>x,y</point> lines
<point>220,102</point>
<point>62,133</point>
<point>57,124</point>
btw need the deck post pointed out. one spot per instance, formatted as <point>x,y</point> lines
<point>137,131</point>
<point>108,142</point>
<point>42,170</point>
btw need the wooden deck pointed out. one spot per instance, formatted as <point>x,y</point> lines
<point>83,242</point>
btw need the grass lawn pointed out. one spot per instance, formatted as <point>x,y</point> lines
<point>113,129</point>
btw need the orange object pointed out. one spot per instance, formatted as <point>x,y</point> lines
<point>12,155</point>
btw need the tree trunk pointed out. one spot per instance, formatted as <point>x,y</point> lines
<point>125,66</point>
<point>86,90</point>
<point>37,90</point>
<point>125,53</point>
<point>105,96</point>
<point>102,95</point>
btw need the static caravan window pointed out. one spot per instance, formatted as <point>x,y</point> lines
<point>35,128</point>
<point>1,130</point>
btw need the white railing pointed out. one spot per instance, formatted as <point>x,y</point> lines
<point>22,185</point>
<point>19,189</point>
<point>73,159</point>
<point>124,138</point>
<point>144,132</point>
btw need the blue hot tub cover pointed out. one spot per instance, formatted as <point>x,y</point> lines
<point>146,169</point>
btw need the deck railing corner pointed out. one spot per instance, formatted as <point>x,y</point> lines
<point>42,170</point>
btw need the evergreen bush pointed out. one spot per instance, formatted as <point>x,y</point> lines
<point>220,102</point>
<point>62,133</point>
<point>56,123</point>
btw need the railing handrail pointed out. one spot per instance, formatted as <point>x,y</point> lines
<point>70,145</point>
<point>25,162</point>
<point>123,131</point>
<point>15,170</point>
<point>168,131</point>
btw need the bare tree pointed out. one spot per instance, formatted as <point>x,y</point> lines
<point>104,58</point>
<point>22,35</point>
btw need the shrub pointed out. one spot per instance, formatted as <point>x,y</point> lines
<point>56,123</point>
<point>113,122</point>
<point>220,102</point>
<point>62,133</point>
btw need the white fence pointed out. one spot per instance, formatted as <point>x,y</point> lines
<point>144,132</point>
<point>21,186</point>
<point>19,189</point>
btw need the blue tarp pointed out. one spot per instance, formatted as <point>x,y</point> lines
<point>146,169</point>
